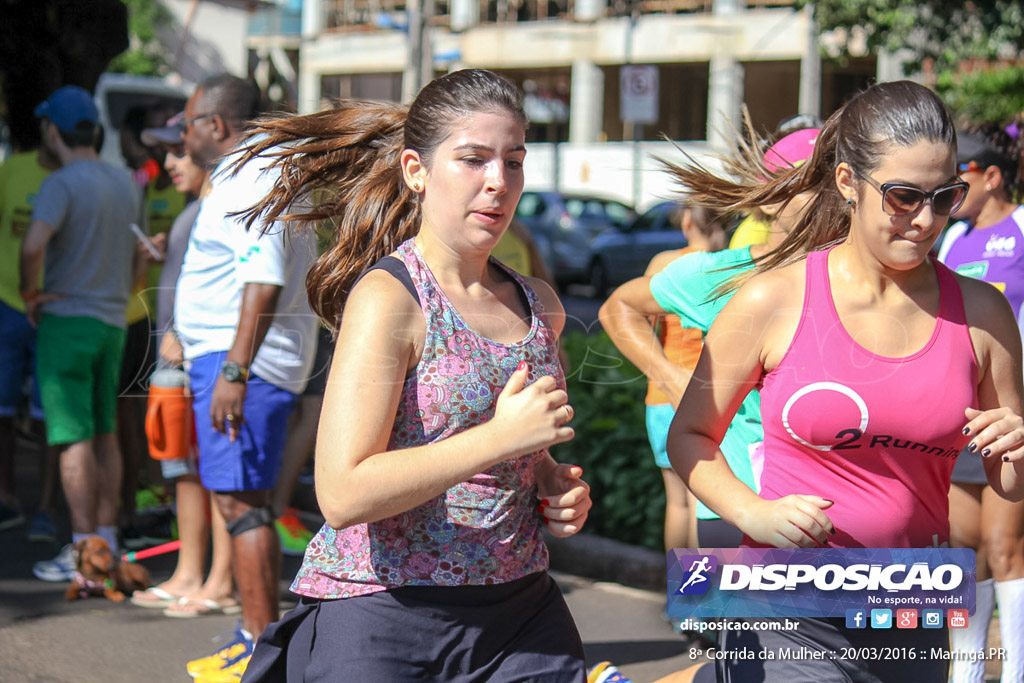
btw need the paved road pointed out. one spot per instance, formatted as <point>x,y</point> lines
<point>45,639</point>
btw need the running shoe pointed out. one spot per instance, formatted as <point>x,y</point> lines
<point>60,568</point>
<point>294,536</point>
<point>229,674</point>
<point>237,649</point>
<point>606,672</point>
<point>10,517</point>
<point>42,528</point>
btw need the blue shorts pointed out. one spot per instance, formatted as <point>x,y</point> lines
<point>659,419</point>
<point>252,462</point>
<point>17,363</point>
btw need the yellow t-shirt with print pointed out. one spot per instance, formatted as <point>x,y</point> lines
<point>162,207</point>
<point>20,178</point>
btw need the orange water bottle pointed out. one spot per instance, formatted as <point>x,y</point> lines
<point>169,426</point>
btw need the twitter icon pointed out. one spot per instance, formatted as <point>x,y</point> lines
<point>881,618</point>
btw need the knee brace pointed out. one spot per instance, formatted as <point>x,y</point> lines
<point>249,520</point>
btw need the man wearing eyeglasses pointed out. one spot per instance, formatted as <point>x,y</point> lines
<point>987,243</point>
<point>248,335</point>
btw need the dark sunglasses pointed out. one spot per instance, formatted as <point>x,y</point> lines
<point>900,200</point>
<point>191,122</point>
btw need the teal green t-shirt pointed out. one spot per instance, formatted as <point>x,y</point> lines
<point>688,289</point>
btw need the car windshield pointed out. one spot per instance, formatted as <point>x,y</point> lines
<point>603,210</point>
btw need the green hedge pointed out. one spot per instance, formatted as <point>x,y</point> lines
<point>607,393</point>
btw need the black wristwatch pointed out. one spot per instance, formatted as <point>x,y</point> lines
<point>233,372</point>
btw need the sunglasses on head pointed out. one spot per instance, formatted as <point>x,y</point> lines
<point>900,200</point>
<point>969,166</point>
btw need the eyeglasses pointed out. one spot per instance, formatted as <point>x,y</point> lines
<point>900,200</point>
<point>969,166</point>
<point>188,122</point>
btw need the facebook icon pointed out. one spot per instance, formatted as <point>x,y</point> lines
<point>856,618</point>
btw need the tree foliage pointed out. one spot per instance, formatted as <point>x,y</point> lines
<point>146,54</point>
<point>984,95</point>
<point>940,31</point>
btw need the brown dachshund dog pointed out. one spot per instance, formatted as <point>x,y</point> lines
<point>98,572</point>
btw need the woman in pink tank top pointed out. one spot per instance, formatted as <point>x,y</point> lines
<point>445,393</point>
<point>876,366</point>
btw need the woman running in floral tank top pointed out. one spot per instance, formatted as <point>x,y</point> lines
<point>433,472</point>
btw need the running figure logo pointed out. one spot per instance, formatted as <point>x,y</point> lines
<point>696,570</point>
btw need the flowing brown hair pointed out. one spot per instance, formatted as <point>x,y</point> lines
<point>861,133</point>
<point>340,169</point>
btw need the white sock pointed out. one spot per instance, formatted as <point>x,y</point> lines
<point>109,534</point>
<point>1011,628</point>
<point>973,638</point>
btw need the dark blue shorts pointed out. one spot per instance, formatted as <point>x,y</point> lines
<point>253,461</point>
<point>17,362</point>
<point>519,631</point>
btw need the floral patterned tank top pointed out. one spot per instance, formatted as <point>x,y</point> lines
<point>483,531</point>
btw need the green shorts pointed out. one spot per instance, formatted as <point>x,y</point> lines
<point>78,367</point>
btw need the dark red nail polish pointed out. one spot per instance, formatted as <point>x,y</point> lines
<point>545,502</point>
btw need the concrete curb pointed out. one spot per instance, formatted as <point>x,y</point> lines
<point>606,559</point>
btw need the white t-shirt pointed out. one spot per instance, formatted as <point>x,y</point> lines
<point>222,256</point>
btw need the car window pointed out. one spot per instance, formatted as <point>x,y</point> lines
<point>530,205</point>
<point>620,215</point>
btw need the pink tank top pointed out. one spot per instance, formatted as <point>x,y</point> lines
<point>483,531</point>
<point>877,435</point>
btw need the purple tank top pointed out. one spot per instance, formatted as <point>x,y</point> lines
<point>483,531</point>
<point>877,435</point>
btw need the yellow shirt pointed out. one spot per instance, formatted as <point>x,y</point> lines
<point>20,178</point>
<point>162,207</point>
<point>750,231</point>
<point>511,251</point>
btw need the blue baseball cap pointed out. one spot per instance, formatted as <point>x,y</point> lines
<point>67,107</point>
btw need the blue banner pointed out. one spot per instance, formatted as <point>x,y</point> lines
<point>818,582</point>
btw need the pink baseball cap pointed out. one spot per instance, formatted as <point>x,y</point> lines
<point>792,150</point>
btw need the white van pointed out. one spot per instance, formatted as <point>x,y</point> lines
<point>117,93</point>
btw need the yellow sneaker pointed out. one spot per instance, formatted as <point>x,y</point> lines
<point>237,649</point>
<point>229,674</point>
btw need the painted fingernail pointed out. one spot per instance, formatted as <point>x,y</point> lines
<point>545,502</point>
<point>546,521</point>
<point>967,430</point>
<point>522,365</point>
<point>972,447</point>
<point>987,452</point>
<point>1006,458</point>
<point>540,509</point>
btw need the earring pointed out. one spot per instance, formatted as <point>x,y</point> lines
<point>988,188</point>
<point>849,201</point>
<point>417,188</point>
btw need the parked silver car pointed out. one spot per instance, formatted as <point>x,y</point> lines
<point>563,225</point>
<point>620,254</point>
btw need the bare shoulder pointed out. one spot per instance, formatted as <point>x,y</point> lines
<point>380,301</point>
<point>553,308</point>
<point>661,261</point>
<point>987,309</point>
<point>774,288</point>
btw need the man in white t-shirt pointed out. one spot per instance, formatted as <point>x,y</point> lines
<point>249,337</point>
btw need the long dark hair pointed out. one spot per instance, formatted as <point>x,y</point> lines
<point>861,133</point>
<point>342,166</point>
